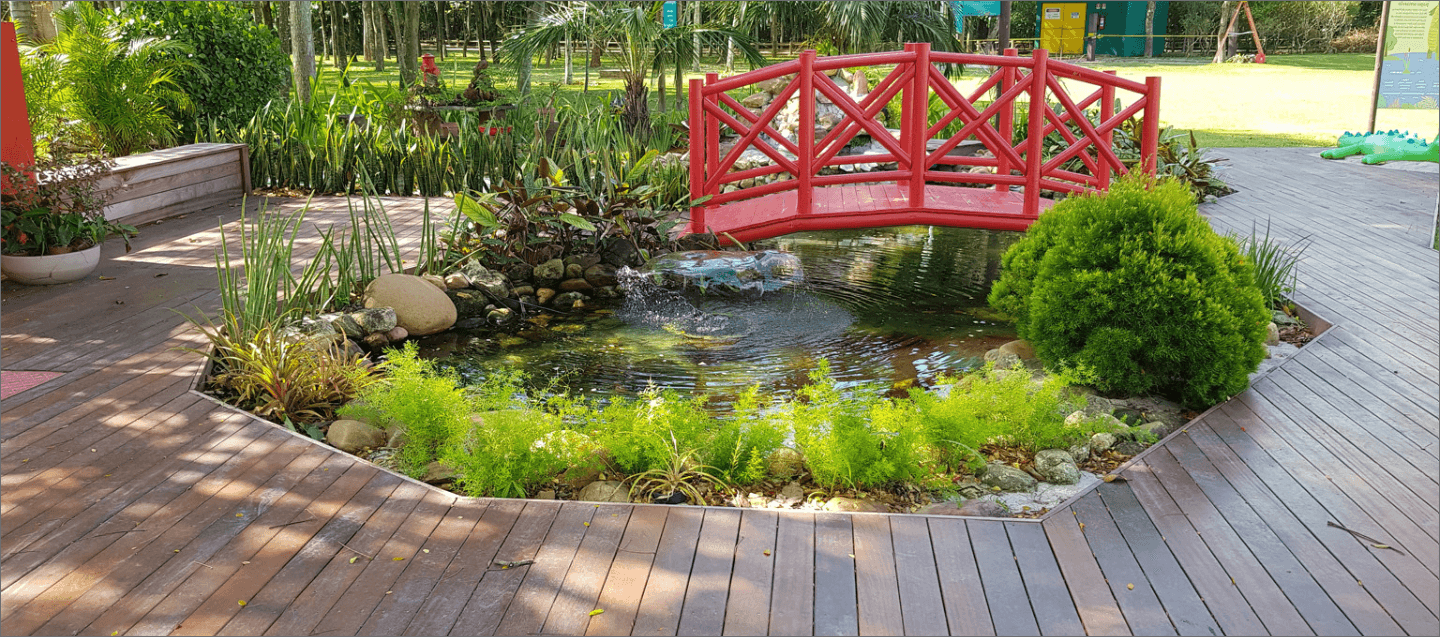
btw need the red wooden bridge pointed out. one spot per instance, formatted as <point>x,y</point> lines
<point>810,191</point>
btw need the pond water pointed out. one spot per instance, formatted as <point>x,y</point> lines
<point>886,307</point>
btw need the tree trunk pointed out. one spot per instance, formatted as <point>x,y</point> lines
<point>695,40</point>
<point>1150,29</point>
<point>522,75</point>
<point>1220,36</point>
<point>442,30</point>
<point>266,16</point>
<point>597,49</point>
<point>24,17</point>
<point>774,35</point>
<point>303,40</point>
<point>379,18</point>
<point>337,37</point>
<point>43,22</point>
<point>282,27</point>
<point>1004,26</point>
<point>465,38</point>
<point>569,65</point>
<point>322,38</point>
<point>367,32</point>
<point>660,85</point>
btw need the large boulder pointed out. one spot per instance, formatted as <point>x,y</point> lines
<point>352,436</point>
<point>1057,466</point>
<point>1007,478</point>
<point>726,273</point>
<point>420,307</point>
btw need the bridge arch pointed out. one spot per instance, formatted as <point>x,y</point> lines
<point>802,182</point>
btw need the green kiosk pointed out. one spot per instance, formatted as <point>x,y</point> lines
<point>1062,27</point>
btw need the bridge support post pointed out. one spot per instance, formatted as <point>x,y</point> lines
<point>918,124</point>
<point>1036,123</point>
<point>804,190</point>
<point>1150,137</point>
<point>1006,123</point>
<point>697,155</point>
<point>1107,111</point>
<point>712,135</point>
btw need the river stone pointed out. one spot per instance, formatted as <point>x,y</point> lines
<point>1283,319</point>
<point>375,341</point>
<point>1272,334</point>
<point>435,280</point>
<point>600,275</point>
<point>726,273</point>
<point>420,307</point>
<point>437,472</point>
<point>319,330</point>
<point>1079,452</point>
<point>552,270</point>
<point>520,272</point>
<point>1008,478</point>
<point>1102,421</point>
<point>396,335</point>
<point>457,281</point>
<point>756,100</point>
<point>376,319</point>
<point>971,508</point>
<point>574,271</point>
<point>1022,349</point>
<point>604,491</point>
<point>584,260</point>
<point>543,295</point>
<point>620,252</point>
<point>1128,447</point>
<point>488,280</point>
<point>853,505</point>
<point>352,435</point>
<point>785,463</point>
<point>469,303</point>
<point>1102,442</point>
<point>1002,360</point>
<point>347,325</point>
<point>523,291</point>
<point>1056,466</point>
<point>569,299</point>
<point>575,285</point>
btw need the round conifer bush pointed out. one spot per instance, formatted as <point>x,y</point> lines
<point>1132,292</point>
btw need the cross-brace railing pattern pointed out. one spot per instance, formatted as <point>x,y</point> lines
<point>913,79</point>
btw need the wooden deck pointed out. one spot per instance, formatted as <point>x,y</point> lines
<point>133,506</point>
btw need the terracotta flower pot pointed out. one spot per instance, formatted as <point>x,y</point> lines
<point>51,268</point>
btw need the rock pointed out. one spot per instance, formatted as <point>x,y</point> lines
<point>523,291</point>
<point>500,315</point>
<point>492,282</point>
<point>1022,349</point>
<point>1101,421</point>
<point>1056,466</point>
<point>457,281</point>
<point>319,330</point>
<point>375,341</point>
<point>568,300</point>
<point>1002,360</point>
<point>1156,429</point>
<point>604,491</point>
<point>1130,417</point>
<point>438,472</point>
<point>435,280</point>
<point>351,349</point>
<point>552,270</point>
<point>420,306</point>
<point>584,260</point>
<point>574,271</point>
<point>396,335</point>
<point>1080,452</point>
<point>543,295</point>
<point>1282,319</point>
<point>853,505</point>
<point>620,252</point>
<point>352,436</point>
<point>793,492</point>
<point>398,438</point>
<point>520,273</point>
<point>607,292</point>
<point>600,275</point>
<point>347,325</point>
<point>1272,334</point>
<point>756,100</point>
<point>378,319</point>
<point>785,463</point>
<point>728,273</point>
<point>545,494</point>
<point>575,285</point>
<point>1101,442</point>
<point>1128,447</point>
<point>1008,478</point>
<point>970,508</point>
<point>469,303</point>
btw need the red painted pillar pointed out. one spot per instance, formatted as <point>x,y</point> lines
<point>18,143</point>
<point>1007,119</point>
<point>697,155</point>
<point>1036,124</point>
<point>907,113</point>
<point>1150,136</point>
<point>1107,111</point>
<point>804,191</point>
<point>918,125</point>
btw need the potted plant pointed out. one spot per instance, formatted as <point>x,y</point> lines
<point>52,222</point>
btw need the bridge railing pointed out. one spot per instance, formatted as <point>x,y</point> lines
<point>798,161</point>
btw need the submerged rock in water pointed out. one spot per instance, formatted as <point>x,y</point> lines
<point>726,273</point>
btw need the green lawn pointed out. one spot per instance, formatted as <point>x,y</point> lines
<point>1293,100</point>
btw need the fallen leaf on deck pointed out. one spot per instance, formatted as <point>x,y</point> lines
<point>596,612</point>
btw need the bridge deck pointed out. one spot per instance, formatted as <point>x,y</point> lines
<point>132,506</point>
<point>869,206</point>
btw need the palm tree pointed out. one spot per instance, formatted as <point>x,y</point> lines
<point>120,88</point>
<point>855,26</point>
<point>645,45</point>
<point>302,42</point>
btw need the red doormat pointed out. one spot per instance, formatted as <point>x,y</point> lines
<point>14,382</point>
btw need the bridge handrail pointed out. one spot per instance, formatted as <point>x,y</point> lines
<point>1015,164</point>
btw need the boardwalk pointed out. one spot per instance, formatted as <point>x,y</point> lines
<point>133,506</point>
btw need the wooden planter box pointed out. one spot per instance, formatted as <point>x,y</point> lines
<point>174,181</point>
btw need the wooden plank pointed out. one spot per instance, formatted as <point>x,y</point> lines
<point>1300,588</point>
<point>1010,608</point>
<point>747,610</point>
<point>877,588</point>
<point>126,209</point>
<point>485,609</point>
<point>792,604</point>
<point>1188,613</point>
<point>966,611</point>
<point>145,186</point>
<point>1043,582</point>
<point>625,583</point>
<point>410,590</point>
<point>1216,585</point>
<point>836,607</point>
<point>571,612</point>
<point>918,580</point>
<point>119,181</point>
<point>1096,606</point>
<point>371,585</point>
<point>1128,583</point>
<point>660,604</point>
<point>709,586</point>
<point>543,579</point>
<point>447,600</point>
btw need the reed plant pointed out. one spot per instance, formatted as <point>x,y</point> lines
<point>1276,263</point>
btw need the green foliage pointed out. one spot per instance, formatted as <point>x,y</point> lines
<point>52,208</point>
<point>238,64</point>
<point>499,457</point>
<point>854,444</point>
<point>416,397</point>
<point>1132,292</point>
<point>1275,263</point>
<point>642,435</point>
<point>124,89</point>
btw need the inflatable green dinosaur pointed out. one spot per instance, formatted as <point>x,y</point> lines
<point>1385,146</point>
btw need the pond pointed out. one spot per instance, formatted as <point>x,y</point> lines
<point>887,308</point>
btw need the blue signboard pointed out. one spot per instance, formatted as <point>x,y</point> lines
<point>668,13</point>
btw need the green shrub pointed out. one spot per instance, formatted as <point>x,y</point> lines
<point>427,404</point>
<point>644,434</point>
<point>1132,292</point>
<point>499,457</point>
<point>739,447</point>
<point>239,63</point>
<point>849,442</point>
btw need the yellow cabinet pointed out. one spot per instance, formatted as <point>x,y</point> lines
<point>1062,27</point>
